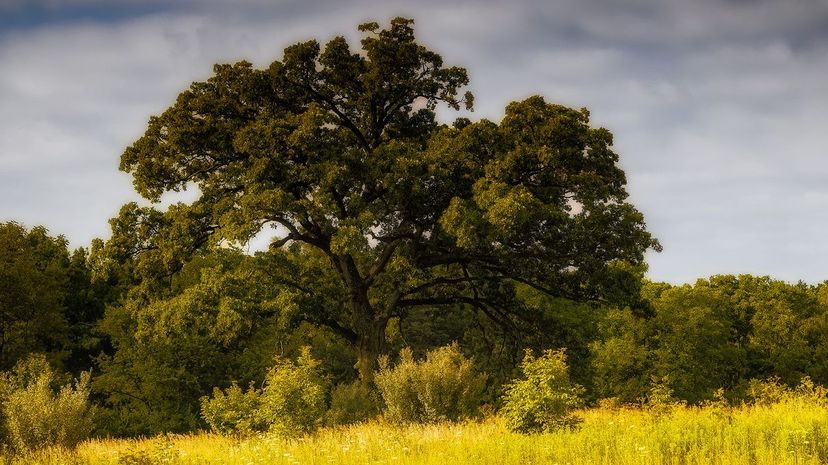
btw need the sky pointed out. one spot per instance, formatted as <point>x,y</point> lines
<point>718,107</point>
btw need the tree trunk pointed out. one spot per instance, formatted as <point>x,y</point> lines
<point>368,324</point>
<point>370,345</point>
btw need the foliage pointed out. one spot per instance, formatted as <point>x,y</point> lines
<point>294,396</point>
<point>219,323</point>
<point>544,398</point>
<point>718,333</point>
<point>291,402</point>
<point>621,360</point>
<point>378,202</point>
<point>33,281</point>
<point>660,397</point>
<point>48,299</point>
<point>769,391</point>
<point>36,413</point>
<point>443,386</point>
<point>772,391</point>
<point>174,348</point>
<point>233,410</point>
<point>560,323</point>
<point>352,403</point>
<point>396,230</point>
<point>543,322</point>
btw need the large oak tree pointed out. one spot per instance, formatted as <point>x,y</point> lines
<point>381,208</point>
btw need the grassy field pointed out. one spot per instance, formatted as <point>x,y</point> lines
<point>793,432</point>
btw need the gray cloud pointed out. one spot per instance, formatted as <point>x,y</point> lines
<point>718,107</point>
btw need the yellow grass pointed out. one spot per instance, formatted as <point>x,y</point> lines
<point>794,432</point>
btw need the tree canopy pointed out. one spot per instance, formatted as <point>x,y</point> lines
<point>379,206</point>
<point>48,303</point>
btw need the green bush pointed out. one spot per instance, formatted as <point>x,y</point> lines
<point>352,403</point>
<point>293,400</point>
<point>37,413</point>
<point>544,398</point>
<point>660,397</point>
<point>233,410</point>
<point>442,387</point>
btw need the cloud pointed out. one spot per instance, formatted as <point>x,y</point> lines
<point>717,106</point>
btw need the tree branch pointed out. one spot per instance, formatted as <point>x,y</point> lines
<point>439,281</point>
<point>281,242</point>
<point>502,320</point>
<point>340,202</point>
<point>347,334</point>
<point>340,114</point>
<point>382,261</point>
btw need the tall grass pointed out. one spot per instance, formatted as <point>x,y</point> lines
<point>793,431</point>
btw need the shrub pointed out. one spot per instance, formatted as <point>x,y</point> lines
<point>772,391</point>
<point>233,410</point>
<point>660,397</point>
<point>293,400</point>
<point>35,414</point>
<point>544,398</point>
<point>398,388</point>
<point>718,403</point>
<point>610,404</point>
<point>442,387</point>
<point>811,392</point>
<point>352,403</point>
<point>767,392</point>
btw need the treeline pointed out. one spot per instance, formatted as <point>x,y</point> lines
<point>156,348</point>
<point>49,301</point>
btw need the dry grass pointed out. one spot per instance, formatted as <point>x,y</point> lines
<point>791,432</point>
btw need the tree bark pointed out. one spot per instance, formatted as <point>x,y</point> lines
<point>370,344</point>
<point>368,323</point>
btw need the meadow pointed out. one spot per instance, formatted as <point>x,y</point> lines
<point>791,431</point>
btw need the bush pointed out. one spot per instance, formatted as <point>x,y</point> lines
<point>767,392</point>
<point>811,392</point>
<point>545,398</point>
<point>352,403</point>
<point>293,400</point>
<point>36,414</point>
<point>233,410</point>
<point>773,391</point>
<point>610,404</point>
<point>442,387</point>
<point>660,397</point>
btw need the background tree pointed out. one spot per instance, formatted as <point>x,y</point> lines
<point>720,332</point>
<point>341,151</point>
<point>48,303</point>
<point>219,322</point>
<point>32,291</point>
